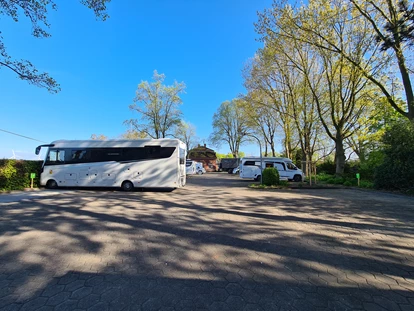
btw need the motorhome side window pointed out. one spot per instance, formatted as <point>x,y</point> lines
<point>79,155</point>
<point>249,163</point>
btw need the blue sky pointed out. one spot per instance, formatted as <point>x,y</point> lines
<point>99,65</point>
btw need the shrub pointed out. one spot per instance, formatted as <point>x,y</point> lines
<point>368,167</point>
<point>15,174</point>
<point>271,176</point>
<point>397,169</point>
<point>366,184</point>
<point>330,180</point>
<point>348,183</point>
<point>326,167</point>
<point>338,181</point>
<point>324,177</point>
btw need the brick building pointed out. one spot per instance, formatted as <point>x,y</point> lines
<point>206,156</point>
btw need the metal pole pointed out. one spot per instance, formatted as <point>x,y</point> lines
<point>261,157</point>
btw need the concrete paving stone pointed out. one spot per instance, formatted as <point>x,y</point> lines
<point>204,287</point>
<point>88,301</point>
<point>203,301</point>
<point>113,293</point>
<point>93,281</point>
<point>101,288</point>
<point>58,298</point>
<point>11,307</point>
<point>235,302</point>
<point>339,306</point>
<point>234,289</point>
<point>34,304</point>
<point>386,303</point>
<point>101,306</point>
<point>247,284</point>
<point>68,278</point>
<point>295,292</point>
<point>219,294</point>
<point>81,293</point>
<point>369,306</point>
<point>138,297</point>
<point>50,291</point>
<point>269,303</point>
<point>405,307</point>
<point>252,307</point>
<point>219,306</point>
<point>184,303</point>
<point>233,277</point>
<point>221,241</point>
<point>74,285</point>
<point>250,296</point>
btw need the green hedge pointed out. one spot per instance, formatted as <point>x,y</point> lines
<point>271,176</point>
<point>15,174</point>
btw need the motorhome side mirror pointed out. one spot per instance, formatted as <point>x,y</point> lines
<point>37,150</point>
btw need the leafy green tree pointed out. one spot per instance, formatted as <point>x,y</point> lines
<point>346,91</point>
<point>132,134</point>
<point>230,126</point>
<point>36,11</point>
<point>392,25</point>
<point>397,170</point>
<point>98,137</point>
<point>158,107</point>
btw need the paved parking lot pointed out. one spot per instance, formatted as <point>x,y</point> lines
<point>213,245</point>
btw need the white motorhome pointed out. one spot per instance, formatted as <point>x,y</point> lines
<point>250,168</point>
<point>143,163</point>
<point>192,167</point>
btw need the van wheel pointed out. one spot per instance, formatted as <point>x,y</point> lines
<point>127,186</point>
<point>51,184</point>
<point>257,178</point>
<point>230,171</point>
<point>297,178</point>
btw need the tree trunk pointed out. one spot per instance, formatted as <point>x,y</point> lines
<point>339,155</point>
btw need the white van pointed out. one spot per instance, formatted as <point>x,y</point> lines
<point>190,167</point>
<point>250,168</point>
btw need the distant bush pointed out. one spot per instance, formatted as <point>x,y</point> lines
<point>348,183</point>
<point>326,167</point>
<point>324,177</point>
<point>271,176</point>
<point>15,174</point>
<point>366,184</point>
<point>397,168</point>
<point>368,167</point>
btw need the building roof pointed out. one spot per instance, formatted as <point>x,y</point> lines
<point>202,152</point>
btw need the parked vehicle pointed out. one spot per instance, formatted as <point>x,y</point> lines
<point>200,169</point>
<point>190,167</point>
<point>153,163</point>
<point>250,168</point>
<point>228,164</point>
<point>194,167</point>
